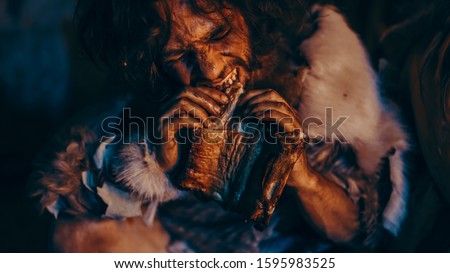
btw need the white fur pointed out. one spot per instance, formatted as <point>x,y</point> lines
<point>140,172</point>
<point>143,175</point>
<point>342,78</point>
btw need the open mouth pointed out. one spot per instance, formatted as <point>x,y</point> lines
<point>228,81</point>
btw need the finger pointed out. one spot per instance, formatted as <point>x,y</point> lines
<point>174,111</point>
<point>167,107</point>
<point>269,106</point>
<point>286,122</point>
<point>250,94</point>
<point>203,100</point>
<point>286,116</point>
<point>184,122</point>
<point>171,126</point>
<point>186,106</point>
<point>268,96</point>
<point>185,114</point>
<point>217,95</point>
<point>194,110</point>
<point>270,93</point>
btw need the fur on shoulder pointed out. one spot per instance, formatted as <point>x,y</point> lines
<point>341,78</point>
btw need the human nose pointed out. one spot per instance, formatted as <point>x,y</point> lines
<point>208,66</point>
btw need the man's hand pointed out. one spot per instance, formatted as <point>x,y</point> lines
<point>187,110</point>
<point>326,205</point>
<point>269,105</point>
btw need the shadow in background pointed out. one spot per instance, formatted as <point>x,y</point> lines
<point>44,80</point>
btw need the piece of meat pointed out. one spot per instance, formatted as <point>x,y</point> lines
<point>239,168</point>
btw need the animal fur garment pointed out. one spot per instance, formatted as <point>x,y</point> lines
<point>340,78</point>
<point>366,160</point>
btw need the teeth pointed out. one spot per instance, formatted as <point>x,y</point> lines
<point>228,81</point>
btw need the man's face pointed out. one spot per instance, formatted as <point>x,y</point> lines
<point>206,49</point>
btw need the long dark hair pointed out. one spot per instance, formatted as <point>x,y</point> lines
<point>128,35</point>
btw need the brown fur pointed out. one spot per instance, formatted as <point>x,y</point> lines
<point>59,182</point>
<point>337,162</point>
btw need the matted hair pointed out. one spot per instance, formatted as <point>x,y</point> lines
<point>128,35</point>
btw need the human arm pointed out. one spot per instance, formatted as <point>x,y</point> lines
<point>364,154</point>
<point>327,206</point>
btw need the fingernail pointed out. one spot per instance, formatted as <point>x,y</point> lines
<point>224,98</point>
<point>217,109</point>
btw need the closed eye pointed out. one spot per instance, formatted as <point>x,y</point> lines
<point>220,33</point>
<point>173,56</point>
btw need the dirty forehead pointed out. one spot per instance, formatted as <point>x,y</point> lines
<point>195,23</point>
